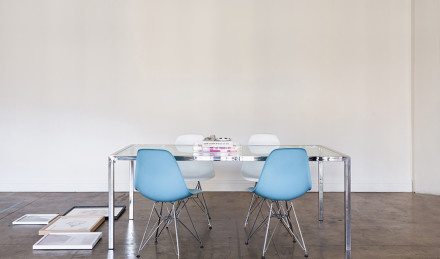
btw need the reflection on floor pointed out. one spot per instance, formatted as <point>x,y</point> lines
<point>384,225</point>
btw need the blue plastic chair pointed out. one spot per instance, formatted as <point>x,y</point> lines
<point>158,178</point>
<point>285,176</point>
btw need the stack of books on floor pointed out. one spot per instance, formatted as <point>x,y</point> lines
<point>74,230</point>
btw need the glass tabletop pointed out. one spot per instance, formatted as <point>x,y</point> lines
<point>241,153</point>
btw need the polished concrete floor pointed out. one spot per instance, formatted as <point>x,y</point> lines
<point>384,225</point>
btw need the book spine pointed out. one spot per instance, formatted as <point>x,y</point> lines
<point>217,144</point>
<point>215,149</point>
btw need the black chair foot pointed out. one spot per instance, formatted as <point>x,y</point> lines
<point>201,246</point>
<point>306,255</point>
<point>138,255</point>
<point>210,227</point>
<point>262,257</point>
<point>246,243</point>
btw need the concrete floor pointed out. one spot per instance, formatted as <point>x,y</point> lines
<point>384,225</point>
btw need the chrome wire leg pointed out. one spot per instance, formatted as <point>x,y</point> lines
<point>299,229</point>
<point>252,206</point>
<point>282,213</point>
<point>204,201</point>
<point>165,221</point>
<point>267,230</point>
<point>289,227</point>
<point>208,218</point>
<point>285,218</point>
<point>249,210</point>
<point>157,230</point>
<point>277,214</point>
<point>175,226</point>
<point>192,223</point>
<point>162,220</point>
<point>144,241</point>
<point>203,206</point>
<point>290,223</point>
<point>252,231</point>
<point>179,208</point>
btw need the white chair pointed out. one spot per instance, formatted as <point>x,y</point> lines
<point>251,171</point>
<point>195,171</point>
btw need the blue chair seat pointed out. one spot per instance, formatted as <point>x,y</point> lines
<point>195,191</point>
<point>251,189</point>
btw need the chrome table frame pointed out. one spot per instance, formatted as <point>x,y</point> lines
<point>334,156</point>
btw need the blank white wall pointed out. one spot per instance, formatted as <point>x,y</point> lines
<point>426,95</point>
<point>81,79</point>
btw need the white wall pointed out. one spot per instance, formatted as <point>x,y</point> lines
<point>426,95</point>
<point>81,79</point>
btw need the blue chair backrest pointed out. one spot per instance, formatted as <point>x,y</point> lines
<point>158,176</point>
<point>285,175</point>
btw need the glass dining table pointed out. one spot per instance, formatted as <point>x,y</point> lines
<point>243,153</point>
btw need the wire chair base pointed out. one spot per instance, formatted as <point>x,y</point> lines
<point>282,213</point>
<point>163,222</point>
<point>201,203</point>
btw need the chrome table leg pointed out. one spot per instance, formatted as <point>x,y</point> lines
<point>320,191</point>
<point>111,201</point>
<point>347,206</point>
<point>130,202</point>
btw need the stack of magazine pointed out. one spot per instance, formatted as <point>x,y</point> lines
<point>214,145</point>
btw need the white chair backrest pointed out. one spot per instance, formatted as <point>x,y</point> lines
<point>263,139</point>
<point>259,144</point>
<point>189,139</point>
<point>193,170</point>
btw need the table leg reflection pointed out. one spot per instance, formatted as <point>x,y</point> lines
<point>320,191</point>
